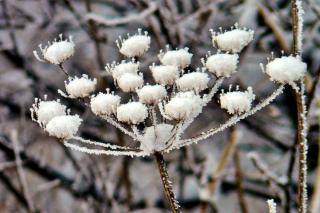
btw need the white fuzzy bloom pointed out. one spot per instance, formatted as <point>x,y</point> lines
<point>196,81</point>
<point>80,87</point>
<point>286,69</point>
<point>129,82</point>
<point>132,113</point>
<point>180,58</point>
<point>222,64</point>
<point>63,126</point>
<point>234,40</point>
<point>154,139</point>
<point>164,74</point>
<point>237,102</point>
<point>57,52</point>
<point>152,94</point>
<point>105,104</point>
<point>46,110</point>
<point>135,45</point>
<point>183,106</point>
<point>117,70</point>
<point>272,206</point>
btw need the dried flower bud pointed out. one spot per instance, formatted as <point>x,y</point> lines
<point>129,82</point>
<point>237,102</point>
<point>152,94</point>
<point>117,70</point>
<point>132,113</point>
<point>63,126</point>
<point>286,69</point>
<point>196,81</point>
<point>234,40</point>
<point>222,64</point>
<point>104,104</point>
<point>135,45</point>
<point>80,87</point>
<point>180,58</point>
<point>164,74</point>
<point>57,52</point>
<point>46,110</point>
<point>183,106</point>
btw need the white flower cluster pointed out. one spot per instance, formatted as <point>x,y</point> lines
<point>57,52</point>
<point>54,118</point>
<point>167,107</point>
<point>236,101</point>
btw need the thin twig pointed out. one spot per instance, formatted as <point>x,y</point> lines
<point>167,186</point>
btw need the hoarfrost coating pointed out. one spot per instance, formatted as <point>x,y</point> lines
<point>57,52</point>
<point>135,45</point>
<point>117,70</point>
<point>80,87</point>
<point>237,102</point>
<point>180,58</point>
<point>164,74</point>
<point>132,113</point>
<point>104,104</point>
<point>286,69</point>
<point>196,81</point>
<point>44,111</point>
<point>222,64</point>
<point>232,41</point>
<point>63,126</point>
<point>152,94</point>
<point>129,82</point>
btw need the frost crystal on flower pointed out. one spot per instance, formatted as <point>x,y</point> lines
<point>80,87</point>
<point>237,102</point>
<point>183,106</point>
<point>180,57</point>
<point>164,74</point>
<point>234,40</point>
<point>155,138</point>
<point>132,113</point>
<point>129,82</point>
<point>104,104</point>
<point>196,81</point>
<point>63,126</point>
<point>286,69</point>
<point>222,64</point>
<point>44,111</point>
<point>152,94</point>
<point>117,70</point>
<point>135,45</point>
<point>57,52</point>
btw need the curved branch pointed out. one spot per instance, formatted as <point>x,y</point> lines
<point>233,120</point>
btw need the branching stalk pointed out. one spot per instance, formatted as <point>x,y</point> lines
<point>167,186</point>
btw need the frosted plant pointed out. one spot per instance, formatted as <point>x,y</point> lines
<point>157,115</point>
<point>272,206</point>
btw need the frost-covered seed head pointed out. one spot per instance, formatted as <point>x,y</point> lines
<point>222,65</point>
<point>237,102</point>
<point>117,70</point>
<point>46,110</point>
<point>129,82</point>
<point>132,113</point>
<point>196,81</point>
<point>57,52</point>
<point>80,87</point>
<point>105,104</point>
<point>183,106</point>
<point>154,139</point>
<point>232,41</point>
<point>152,94</point>
<point>180,58</point>
<point>164,74</point>
<point>135,45</point>
<point>286,69</point>
<point>63,126</point>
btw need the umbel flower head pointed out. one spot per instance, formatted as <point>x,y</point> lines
<point>168,105</point>
<point>56,52</point>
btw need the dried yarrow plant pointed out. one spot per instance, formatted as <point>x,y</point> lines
<point>168,107</point>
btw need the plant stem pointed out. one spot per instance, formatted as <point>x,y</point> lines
<point>301,142</point>
<point>167,186</point>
